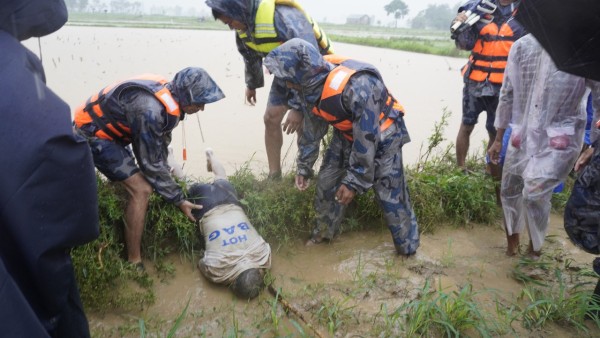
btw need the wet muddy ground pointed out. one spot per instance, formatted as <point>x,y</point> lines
<point>349,288</point>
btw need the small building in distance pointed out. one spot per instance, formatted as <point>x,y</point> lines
<point>359,19</point>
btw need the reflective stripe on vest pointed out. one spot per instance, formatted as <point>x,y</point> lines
<point>264,38</point>
<point>331,109</point>
<point>109,128</point>
<point>488,57</point>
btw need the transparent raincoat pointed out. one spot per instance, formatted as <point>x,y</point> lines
<point>546,110</point>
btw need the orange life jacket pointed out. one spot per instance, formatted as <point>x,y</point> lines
<point>105,112</point>
<point>330,106</point>
<point>488,57</point>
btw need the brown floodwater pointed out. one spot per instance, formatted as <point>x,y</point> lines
<point>450,259</point>
<point>81,60</point>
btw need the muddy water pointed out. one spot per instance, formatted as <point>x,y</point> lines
<point>81,60</point>
<point>360,268</point>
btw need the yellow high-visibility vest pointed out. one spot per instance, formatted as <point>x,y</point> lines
<point>264,38</point>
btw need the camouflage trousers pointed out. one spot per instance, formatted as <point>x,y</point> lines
<point>582,212</point>
<point>389,186</point>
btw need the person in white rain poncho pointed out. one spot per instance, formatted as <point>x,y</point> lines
<point>546,109</point>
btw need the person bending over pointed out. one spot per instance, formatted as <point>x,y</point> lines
<point>142,112</point>
<point>366,148</point>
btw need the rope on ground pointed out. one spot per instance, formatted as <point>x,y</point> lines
<point>102,247</point>
<point>289,148</point>
<point>290,308</point>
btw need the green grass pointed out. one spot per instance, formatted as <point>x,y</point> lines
<point>444,47</point>
<point>278,211</point>
<point>448,314</point>
<point>420,41</point>
<point>143,21</point>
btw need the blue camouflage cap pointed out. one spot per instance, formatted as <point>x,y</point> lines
<point>195,86</point>
<point>298,62</point>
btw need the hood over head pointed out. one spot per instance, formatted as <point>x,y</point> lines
<point>299,62</point>
<point>24,19</point>
<point>243,11</point>
<point>194,86</point>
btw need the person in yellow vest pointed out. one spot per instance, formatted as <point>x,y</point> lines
<point>261,26</point>
<point>142,112</point>
<point>489,44</point>
<point>365,150</point>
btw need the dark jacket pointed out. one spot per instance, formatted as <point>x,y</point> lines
<point>48,201</point>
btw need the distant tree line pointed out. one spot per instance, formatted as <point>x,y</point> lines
<point>113,6</point>
<point>435,17</point>
<point>124,7</point>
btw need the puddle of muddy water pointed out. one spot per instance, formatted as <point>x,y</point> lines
<point>359,274</point>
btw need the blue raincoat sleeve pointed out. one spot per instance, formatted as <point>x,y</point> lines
<point>48,201</point>
<point>13,302</point>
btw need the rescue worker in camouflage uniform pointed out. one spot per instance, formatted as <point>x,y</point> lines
<point>277,21</point>
<point>366,148</point>
<point>142,112</point>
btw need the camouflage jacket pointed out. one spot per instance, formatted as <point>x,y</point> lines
<point>146,118</point>
<point>365,96</point>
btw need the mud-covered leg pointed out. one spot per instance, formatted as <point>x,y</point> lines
<point>511,194</point>
<point>329,212</point>
<point>392,193</point>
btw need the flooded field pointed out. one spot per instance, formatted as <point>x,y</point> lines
<point>81,60</point>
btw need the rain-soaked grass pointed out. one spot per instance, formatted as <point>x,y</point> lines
<point>442,47</point>
<point>556,291</point>
<point>420,41</point>
<point>282,214</point>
